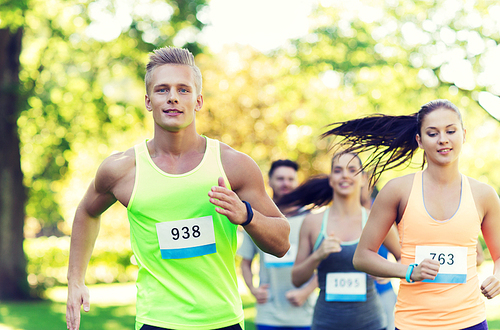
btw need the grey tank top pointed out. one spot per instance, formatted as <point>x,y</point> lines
<point>341,315</point>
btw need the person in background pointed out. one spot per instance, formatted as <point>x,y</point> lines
<point>439,213</point>
<point>328,239</point>
<point>185,196</point>
<point>279,304</point>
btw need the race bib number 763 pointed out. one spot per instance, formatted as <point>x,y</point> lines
<point>452,262</point>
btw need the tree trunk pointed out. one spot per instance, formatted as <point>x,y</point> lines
<point>13,281</point>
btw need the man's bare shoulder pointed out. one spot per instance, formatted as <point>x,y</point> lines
<point>115,167</point>
<point>119,160</point>
<point>231,156</point>
<point>239,167</point>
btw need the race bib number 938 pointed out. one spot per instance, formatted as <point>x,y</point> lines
<point>186,238</point>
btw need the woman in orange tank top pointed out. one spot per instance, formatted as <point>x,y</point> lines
<point>439,213</point>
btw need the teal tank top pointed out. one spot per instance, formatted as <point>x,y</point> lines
<point>324,222</point>
<point>184,249</point>
<point>347,309</point>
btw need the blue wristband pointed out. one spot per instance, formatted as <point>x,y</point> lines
<point>409,271</point>
<point>249,213</point>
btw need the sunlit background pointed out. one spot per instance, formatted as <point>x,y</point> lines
<point>275,73</point>
<point>267,25</point>
<point>262,24</point>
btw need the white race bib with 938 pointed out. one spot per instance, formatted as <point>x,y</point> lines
<point>345,286</point>
<point>452,262</point>
<point>186,238</point>
<point>286,261</point>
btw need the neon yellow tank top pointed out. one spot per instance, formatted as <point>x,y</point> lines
<point>185,249</point>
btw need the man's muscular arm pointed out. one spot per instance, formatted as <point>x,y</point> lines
<point>269,229</point>
<point>98,197</point>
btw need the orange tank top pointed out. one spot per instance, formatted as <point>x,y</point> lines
<point>455,302</point>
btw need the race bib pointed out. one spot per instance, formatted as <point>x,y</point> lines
<point>452,261</point>
<point>287,260</point>
<point>186,238</point>
<point>345,286</point>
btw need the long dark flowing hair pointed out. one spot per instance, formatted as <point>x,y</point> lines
<point>389,140</point>
<point>314,192</point>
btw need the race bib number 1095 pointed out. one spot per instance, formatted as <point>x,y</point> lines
<point>346,286</point>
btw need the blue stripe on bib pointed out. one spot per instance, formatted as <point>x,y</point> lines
<point>278,264</point>
<point>345,297</point>
<point>188,252</point>
<point>449,278</point>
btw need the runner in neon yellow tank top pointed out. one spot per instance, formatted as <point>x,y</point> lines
<point>183,194</point>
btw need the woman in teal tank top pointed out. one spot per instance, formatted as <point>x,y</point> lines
<point>328,239</point>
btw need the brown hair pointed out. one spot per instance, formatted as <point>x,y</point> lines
<point>172,55</point>
<point>390,140</point>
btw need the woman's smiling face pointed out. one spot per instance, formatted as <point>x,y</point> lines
<point>346,177</point>
<point>442,136</point>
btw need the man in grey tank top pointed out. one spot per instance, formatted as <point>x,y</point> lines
<point>279,304</point>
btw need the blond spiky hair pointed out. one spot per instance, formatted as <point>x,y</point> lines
<point>172,55</point>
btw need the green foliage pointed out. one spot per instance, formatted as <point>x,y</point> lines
<point>392,57</point>
<point>48,262</point>
<point>12,13</point>
<point>357,60</point>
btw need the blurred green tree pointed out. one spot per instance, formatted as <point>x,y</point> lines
<point>359,58</point>
<point>394,56</point>
<point>12,191</point>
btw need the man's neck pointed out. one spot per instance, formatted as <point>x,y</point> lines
<point>176,143</point>
<point>177,153</point>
